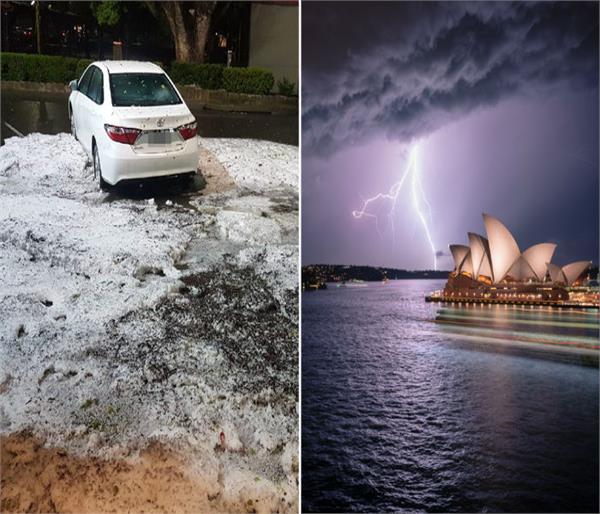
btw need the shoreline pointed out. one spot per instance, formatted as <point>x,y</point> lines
<point>532,303</point>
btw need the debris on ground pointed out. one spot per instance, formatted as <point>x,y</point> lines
<point>148,322</point>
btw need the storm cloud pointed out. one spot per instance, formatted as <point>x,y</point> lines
<point>375,72</point>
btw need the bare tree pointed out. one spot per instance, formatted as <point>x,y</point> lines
<point>189,23</point>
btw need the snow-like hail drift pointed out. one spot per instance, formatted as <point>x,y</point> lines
<point>126,321</point>
<point>392,197</point>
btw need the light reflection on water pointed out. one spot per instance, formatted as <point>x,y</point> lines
<point>570,334</point>
<point>403,412</point>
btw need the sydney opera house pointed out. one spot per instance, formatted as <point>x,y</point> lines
<point>494,269</point>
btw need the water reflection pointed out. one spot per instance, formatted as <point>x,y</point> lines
<point>26,114</point>
<point>47,113</point>
<point>573,333</point>
<point>405,412</point>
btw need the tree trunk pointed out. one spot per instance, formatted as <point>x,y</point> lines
<point>202,17</point>
<point>189,38</point>
<point>180,35</point>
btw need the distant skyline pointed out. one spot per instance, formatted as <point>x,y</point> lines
<point>502,100</point>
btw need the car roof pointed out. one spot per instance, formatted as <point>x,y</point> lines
<point>130,67</point>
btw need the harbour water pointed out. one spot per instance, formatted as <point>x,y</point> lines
<point>411,406</point>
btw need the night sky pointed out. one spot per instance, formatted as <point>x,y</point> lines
<point>501,100</point>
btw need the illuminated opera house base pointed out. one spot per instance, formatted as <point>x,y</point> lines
<point>493,270</point>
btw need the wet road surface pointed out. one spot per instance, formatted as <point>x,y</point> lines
<point>28,112</point>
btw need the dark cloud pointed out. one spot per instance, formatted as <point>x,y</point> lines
<point>405,69</point>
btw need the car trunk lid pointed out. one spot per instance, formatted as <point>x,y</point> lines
<point>158,124</point>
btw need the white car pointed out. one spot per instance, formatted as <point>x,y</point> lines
<point>132,121</point>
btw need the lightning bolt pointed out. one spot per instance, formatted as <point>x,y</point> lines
<point>418,197</point>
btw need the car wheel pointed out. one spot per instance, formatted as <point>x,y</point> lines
<point>72,121</point>
<point>98,170</point>
<point>187,180</point>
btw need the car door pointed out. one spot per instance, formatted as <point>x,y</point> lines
<point>88,109</point>
<point>95,100</point>
<point>78,100</point>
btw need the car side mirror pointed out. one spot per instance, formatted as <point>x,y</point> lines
<point>73,85</point>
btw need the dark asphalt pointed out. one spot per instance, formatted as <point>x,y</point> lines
<point>29,112</point>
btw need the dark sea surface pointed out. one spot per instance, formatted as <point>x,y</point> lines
<point>401,413</point>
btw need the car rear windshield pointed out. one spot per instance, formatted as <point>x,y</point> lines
<point>133,89</point>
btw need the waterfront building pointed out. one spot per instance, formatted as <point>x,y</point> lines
<point>493,268</point>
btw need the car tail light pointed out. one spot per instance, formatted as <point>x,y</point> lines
<point>122,134</point>
<point>188,131</point>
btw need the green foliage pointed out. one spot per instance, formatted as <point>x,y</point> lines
<point>53,68</point>
<point>12,66</point>
<point>82,64</point>
<point>107,13</point>
<point>207,76</point>
<point>40,68</point>
<point>256,81</point>
<point>286,87</point>
<point>215,76</point>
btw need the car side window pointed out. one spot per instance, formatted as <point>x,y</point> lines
<point>95,90</point>
<point>100,97</point>
<point>85,80</point>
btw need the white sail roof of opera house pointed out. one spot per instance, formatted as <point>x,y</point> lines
<point>498,257</point>
<point>556,273</point>
<point>520,270</point>
<point>480,255</point>
<point>574,270</point>
<point>459,252</point>
<point>504,250</point>
<point>538,256</point>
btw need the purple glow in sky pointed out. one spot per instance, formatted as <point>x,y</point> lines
<point>503,102</point>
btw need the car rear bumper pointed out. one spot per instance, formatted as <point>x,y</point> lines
<point>119,162</point>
